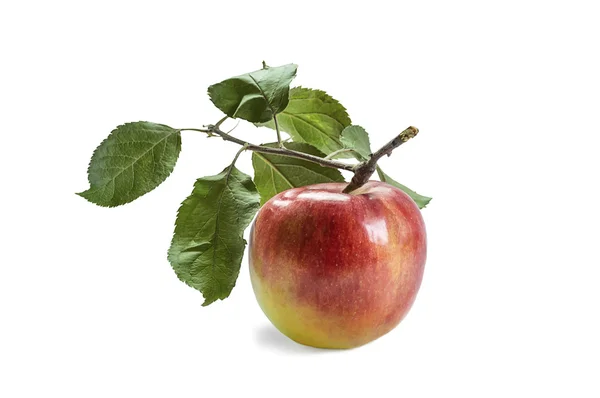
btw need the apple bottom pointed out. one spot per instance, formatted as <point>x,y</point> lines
<point>308,326</point>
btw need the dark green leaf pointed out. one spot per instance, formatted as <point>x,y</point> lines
<point>420,200</point>
<point>255,96</point>
<point>275,173</point>
<point>356,138</point>
<point>133,160</point>
<point>207,247</point>
<point>315,118</point>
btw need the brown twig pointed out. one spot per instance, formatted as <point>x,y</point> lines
<point>362,171</point>
<point>215,130</point>
<point>366,169</point>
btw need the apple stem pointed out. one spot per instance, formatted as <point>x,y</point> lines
<point>362,171</point>
<point>365,170</point>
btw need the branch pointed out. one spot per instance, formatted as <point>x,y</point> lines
<point>215,130</point>
<point>365,170</point>
<point>362,171</point>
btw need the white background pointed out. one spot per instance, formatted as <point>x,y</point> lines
<point>507,100</point>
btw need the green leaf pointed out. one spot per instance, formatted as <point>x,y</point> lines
<point>133,160</point>
<point>420,200</point>
<point>356,138</point>
<point>255,96</point>
<point>207,247</point>
<point>276,173</point>
<point>313,117</point>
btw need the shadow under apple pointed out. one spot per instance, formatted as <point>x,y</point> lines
<point>269,337</point>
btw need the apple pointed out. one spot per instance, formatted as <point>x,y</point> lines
<point>337,270</point>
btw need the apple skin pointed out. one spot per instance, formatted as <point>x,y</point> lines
<point>335,270</point>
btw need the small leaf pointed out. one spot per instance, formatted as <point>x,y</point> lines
<point>313,117</point>
<point>276,173</point>
<point>133,160</point>
<point>255,96</point>
<point>420,200</point>
<point>356,138</point>
<point>208,244</point>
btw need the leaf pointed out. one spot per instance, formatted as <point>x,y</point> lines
<point>356,138</point>
<point>208,244</point>
<point>420,200</point>
<point>276,173</point>
<point>133,160</point>
<point>313,117</point>
<point>255,96</point>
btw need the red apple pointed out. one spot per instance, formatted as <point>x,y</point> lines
<point>336,270</point>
